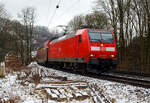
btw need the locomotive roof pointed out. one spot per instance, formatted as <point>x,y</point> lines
<point>79,32</point>
<point>100,31</point>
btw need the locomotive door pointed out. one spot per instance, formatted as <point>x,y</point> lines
<point>78,41</point>
<point>76,47</point>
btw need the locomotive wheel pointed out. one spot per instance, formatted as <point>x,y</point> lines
<point>96,69</point>
<point>82,68</point>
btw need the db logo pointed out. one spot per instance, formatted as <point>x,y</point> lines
<point>103,49</point>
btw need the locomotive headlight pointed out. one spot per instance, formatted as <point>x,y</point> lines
<point>93,55</point>
<point>112,56</point>
<point>102,44</point>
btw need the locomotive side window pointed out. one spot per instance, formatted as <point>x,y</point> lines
<point>107,38</point>
<point>80,38</point>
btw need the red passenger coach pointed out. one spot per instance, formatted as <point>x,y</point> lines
<point>87,50</point>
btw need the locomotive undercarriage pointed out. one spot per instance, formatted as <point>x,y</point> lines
<point>94,66</point>
<point>101,65</point>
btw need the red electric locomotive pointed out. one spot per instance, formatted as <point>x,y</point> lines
<point>87,50</point>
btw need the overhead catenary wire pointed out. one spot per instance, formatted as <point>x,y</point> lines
<point>49,7</point>
<point>69,8</point>
<point>52,17</point>
<point>54,13</point>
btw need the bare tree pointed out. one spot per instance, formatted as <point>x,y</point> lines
<point>146,6</point>
<point>4,28</point>
<point>130,18</point>
<point>96,20</point>
<point>28,19</point>
<point>76,22</point>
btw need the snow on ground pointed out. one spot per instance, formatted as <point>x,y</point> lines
<point>46,85</point>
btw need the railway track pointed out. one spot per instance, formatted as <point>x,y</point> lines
<point>132,79</point>
<point>135,80</point>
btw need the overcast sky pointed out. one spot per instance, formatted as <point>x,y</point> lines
<point>45,9</point>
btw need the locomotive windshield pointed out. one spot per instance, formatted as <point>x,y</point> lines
<point>101,36</point>
<point>94,37</point>
<point>107,37</point>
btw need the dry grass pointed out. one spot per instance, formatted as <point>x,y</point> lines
<point>36,78</point>
<point>10,100</point>
<point>1,73</point>
<point>113,100</point>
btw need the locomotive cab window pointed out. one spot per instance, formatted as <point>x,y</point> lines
<point>107,37</point>
<point>101,36</point>
<point>94,37</point>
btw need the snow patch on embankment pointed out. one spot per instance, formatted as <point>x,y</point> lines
<point>39,84</point>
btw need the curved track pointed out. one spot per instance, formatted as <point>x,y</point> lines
<point>136,80</point>
<point>128,79</point>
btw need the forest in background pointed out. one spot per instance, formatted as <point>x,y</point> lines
<point>21,37</point>
<point>130,22</point>
<point>129,19</point>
